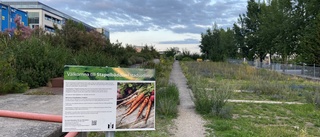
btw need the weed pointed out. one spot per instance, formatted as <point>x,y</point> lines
<point>211,99</point>
<point>313,98</point>
<point>167,100</point>
<point>265,120</point>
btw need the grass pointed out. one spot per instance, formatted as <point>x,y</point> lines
<point>259,119</point>
<point>167,101</point>
<point>249,119</point>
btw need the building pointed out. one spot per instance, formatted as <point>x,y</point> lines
<point>103,31</point>
<point>8,14</point>
<point>43,16</point>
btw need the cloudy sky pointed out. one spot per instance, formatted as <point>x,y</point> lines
<point>161,23</point>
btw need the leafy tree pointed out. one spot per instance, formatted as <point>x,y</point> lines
<point>310,51</point>
<point>252,22</point>
<point>239,38</point>
<point>307,13</point>
<point>228,43</point>
<point>215,44</point>
<point>205,45</point>
<point>171,52</point>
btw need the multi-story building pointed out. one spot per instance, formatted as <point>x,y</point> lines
<point>103,31</point>
<point>8,14</point>
<point>43,16</point>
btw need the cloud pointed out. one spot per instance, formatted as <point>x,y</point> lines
<point>179,16</point>
<point>185,41</point>
<point>161,22</point>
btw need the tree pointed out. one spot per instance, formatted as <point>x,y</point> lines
<point>171,52</point>
<point>239,38</point>
<point>227,42</point>
<point>252,22</point>
<point>210,44</point>
<point>310,51</point>
<point>309,17</point>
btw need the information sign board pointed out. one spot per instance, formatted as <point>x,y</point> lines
<point>108,99</point>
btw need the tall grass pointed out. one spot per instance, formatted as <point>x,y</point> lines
<point>209,80</point>
<point>167,100</point>
<point>272,85</point>
<point>211,99</point>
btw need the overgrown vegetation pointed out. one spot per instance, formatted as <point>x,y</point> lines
<point>242,82</point>
<point>288,29</point>
<point>30,58</point>
<point>167,101</point>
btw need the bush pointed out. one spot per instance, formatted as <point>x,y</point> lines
<point>37,61</point>
<point>149,65</point>
<point>8,81</point>
<point>211,100</point>
<point>187,59</point>
<point>93,58</point>
<point>313,98</point>
<point>167,100</point>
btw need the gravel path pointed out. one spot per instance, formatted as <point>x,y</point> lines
<point>188,122</point>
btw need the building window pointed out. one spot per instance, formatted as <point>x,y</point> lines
<point>48,28</point>
<point>52,19</point>
<point>47,17</point>
<point>33,17</point>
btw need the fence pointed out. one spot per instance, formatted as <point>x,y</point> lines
<point>293,69</point>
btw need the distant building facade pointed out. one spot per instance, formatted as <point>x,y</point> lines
<point>45,17</point>
<point>103,31</point>
<point>8,14</point>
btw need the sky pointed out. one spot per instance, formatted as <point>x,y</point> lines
<point>159,23</point>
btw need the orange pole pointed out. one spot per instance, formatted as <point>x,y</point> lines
<point>71,134</point>
<point>35,116</point>
<point>32,116</point>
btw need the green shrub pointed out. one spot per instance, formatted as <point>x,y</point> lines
<point>313,98</point>
<point>93,58</point>
<point>187,59</point>
<point>149,65</point>
<point>167,100</point>
<point>212,100</point>
<point>8,81</point>
<point>37,61</point>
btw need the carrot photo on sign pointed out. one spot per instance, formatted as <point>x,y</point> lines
<point>135,105</point>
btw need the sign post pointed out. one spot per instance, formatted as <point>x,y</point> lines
<point>110,134</point>
<point>108,99</point>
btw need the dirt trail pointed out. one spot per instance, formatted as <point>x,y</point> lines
<point>188,122</point>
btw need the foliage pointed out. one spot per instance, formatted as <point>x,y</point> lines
<point>171,52</point>
<point>8,82</point>
<point>20,32</point>
<point>313,98</point>
<point>210,99</point>
<point>37,61</point>
<point>187,56</point>
<point>310,52</point>
<point>167,101</point>
<point>92,58</point>
<point>267,120</point>
<point>36,56</point>
<point>249,83</point>
<point>288,29</point>
<point>217,44</point>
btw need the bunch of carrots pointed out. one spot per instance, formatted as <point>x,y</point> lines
<point>142,98</point>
